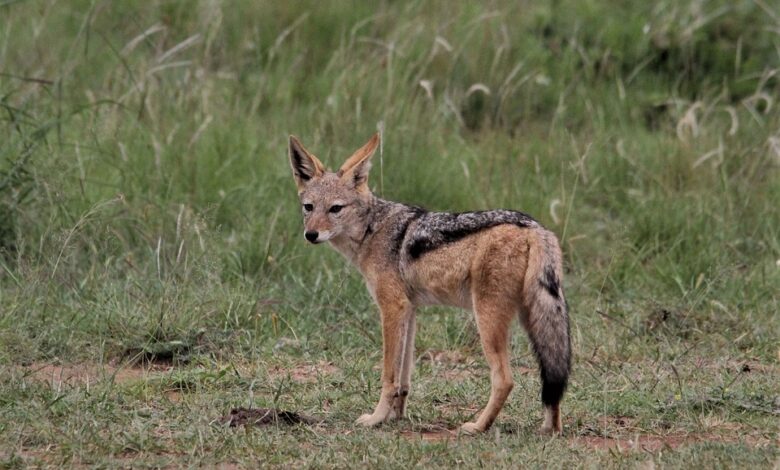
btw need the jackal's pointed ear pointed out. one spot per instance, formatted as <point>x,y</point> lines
<point>355,170</point>
<point>305,166</point>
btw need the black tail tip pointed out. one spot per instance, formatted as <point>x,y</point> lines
<point>552,391</point>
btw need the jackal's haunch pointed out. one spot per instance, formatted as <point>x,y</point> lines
<point>498,263</point>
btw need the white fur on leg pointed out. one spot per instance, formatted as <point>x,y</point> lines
<point>471,428</point>
<point>380,415</point>
<point>548,420</point>
<point>552,424</point>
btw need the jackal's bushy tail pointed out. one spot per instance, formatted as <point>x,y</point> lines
<point>547,320</point>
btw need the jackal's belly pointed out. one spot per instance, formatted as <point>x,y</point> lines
<point>434,281</point>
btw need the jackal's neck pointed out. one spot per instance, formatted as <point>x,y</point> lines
<point>374,211</point>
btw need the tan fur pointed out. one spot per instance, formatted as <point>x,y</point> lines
<point>494,272</point>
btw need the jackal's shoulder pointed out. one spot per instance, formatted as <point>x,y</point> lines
<point>395,219</point>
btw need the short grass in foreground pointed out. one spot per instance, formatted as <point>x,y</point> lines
<point>110,415</point>
<point>153,275</point>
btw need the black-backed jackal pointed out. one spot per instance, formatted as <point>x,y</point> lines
<point>498,263</point>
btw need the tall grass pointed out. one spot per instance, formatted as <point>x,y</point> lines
<point>153,136</point>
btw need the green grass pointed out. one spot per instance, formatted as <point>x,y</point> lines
<point>147,212</point>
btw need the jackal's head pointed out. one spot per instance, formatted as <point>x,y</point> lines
<point>334,204</point>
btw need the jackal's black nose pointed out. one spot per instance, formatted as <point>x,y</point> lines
<point>311,236</point>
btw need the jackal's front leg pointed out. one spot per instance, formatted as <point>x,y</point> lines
<point>397,319</point>
<point>407,368</point>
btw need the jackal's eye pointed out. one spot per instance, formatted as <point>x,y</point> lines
<point>335,209</point>
<point>308,207</point>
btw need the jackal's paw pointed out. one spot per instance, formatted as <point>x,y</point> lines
<point>471,428</point>
<point>398,410</point>
<point>393,415</point>
<point>370,420</point>
<point>396,415</point>
<point>548,430</point>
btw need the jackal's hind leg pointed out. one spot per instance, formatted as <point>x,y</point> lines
<point>494,318</point>
<point>552,420</point>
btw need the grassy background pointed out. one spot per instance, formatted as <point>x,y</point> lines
<point>147,211</point>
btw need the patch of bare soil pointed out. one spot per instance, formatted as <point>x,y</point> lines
<point>431,434</point>
<point>305,373</point>
<point>81,374</point>
<point>265,417</point>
